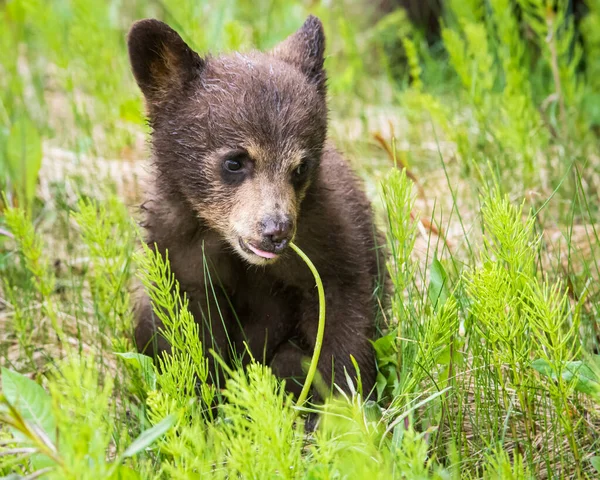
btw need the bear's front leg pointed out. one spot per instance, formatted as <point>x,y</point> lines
<point>348,328</point>
<point>268,319</point>
<point>288,365</point>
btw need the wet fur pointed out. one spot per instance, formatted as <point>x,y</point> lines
<point>273,106</point>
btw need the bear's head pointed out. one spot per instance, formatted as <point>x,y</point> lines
<point>238,137</point>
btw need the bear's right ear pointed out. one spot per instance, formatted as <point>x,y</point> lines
<point>305,49</point>
<point>161,61</point>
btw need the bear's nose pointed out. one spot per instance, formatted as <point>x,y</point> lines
<point>276,233</point>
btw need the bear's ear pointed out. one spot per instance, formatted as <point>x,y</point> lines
<point>161,61</point>
<point>305,49</point>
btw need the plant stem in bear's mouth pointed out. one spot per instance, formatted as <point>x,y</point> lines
<point>321,329</point>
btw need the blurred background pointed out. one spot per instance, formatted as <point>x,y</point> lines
<point>475,79</point>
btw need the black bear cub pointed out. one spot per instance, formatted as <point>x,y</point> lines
<point>242,167</point>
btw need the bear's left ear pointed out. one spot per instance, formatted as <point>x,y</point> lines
<point>161,61</point>
<point>305,50</point>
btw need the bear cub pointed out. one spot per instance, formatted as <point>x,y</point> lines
<point>242,167</point>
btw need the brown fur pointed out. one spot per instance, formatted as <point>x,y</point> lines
<point>269,110</point>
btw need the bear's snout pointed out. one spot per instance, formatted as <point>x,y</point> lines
<point>276,233</point>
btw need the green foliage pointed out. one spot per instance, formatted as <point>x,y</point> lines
<point>586,379</point>
<point>398,196</point>
<point>524,106</point>
<point>29,248</point>
<point>486,367</point>
<point>39,421</point>
<point>256,438</point>
<point>501,466</point>
<point>256,431</point>
<point>185,364</point>
<point>30,400</point>
<point>108,238</point>
<point>35,268</point>
<point>21,160</point>
<point>514,322</point>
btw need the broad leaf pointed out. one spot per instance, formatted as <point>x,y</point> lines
<point>143,364</point>
<point>587,381</point>
<point>380,383</point>
<point>595,461</point>
<point>148,437</point>
<point>31,400</point>
<point>386,345</point>
<point>438,285</point>
<point>372,411</point>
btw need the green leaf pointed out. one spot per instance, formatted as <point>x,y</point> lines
<point>24,157</point>
<point>380,383</point>
<point>143,364</point>
<point>31,400</point>
<point>595,461</point>
<point>386,345</point>
<point>587,380</point>
<point>148,437</point>
<point>438,285</point>
<point>543,366</point>
<point>372,411</point>
<point>125,473</point>
<point>398,435</point>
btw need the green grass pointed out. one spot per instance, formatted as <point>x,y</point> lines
<point>488,351</point>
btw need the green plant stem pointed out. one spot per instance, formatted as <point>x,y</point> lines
<point>320,331</point>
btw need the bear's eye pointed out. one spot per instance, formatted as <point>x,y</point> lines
<point>301,169</point>
<point>235,167</point>
<point>233,164</point>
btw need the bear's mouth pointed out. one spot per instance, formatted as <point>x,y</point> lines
<point>252,250</point>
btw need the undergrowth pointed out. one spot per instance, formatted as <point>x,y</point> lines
<point>488,360</point>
